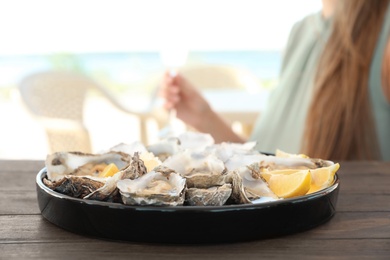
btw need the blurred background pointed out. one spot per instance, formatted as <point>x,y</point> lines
<point>121,45</point>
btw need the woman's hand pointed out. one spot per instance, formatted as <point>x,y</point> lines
<point>193,109</point>
<point>181,95</point>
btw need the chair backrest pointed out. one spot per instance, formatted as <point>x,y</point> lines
<point>57,99</point>
<point>214,76</point>
<point>55,94</point>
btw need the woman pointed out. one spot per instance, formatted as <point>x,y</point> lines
<point>333,99</point>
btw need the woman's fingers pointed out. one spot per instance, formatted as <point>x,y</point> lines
<point>169,91</point>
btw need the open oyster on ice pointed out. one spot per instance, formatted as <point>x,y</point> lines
<point>109,191</point>
<point>160,187</point>
<point>165,148</point>
<point>202,170</point>
<point>253,187</point>
<point>60,164</point>
<point>205,175</point>
<point>79,174</point>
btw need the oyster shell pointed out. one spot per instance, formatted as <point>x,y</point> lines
<point>254,186</point>
<point>201,170</point>
<point>135,169</point>
<point>224,151</point>
<point>61,164</point>
<point>206,177</point>
<point>165,148</point>
<point>195,141</point>
<point>160,187</point>
<point>131,149</point>
<point>74,186</point>
<point>238,195</point>
<point>109,191</point>
<point>213,196</point>
<point>273,162</point>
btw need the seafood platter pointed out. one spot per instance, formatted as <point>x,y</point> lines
<point>186,189</point>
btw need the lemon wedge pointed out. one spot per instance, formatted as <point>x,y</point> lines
<point>150,161</point>
<point>322,178</point>
<point>290,185</point>
<point>267,175</point>
<point>109,170</point>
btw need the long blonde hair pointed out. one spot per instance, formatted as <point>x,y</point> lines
<point>340,123</point>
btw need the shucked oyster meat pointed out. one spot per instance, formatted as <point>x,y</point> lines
<point>82,183</point>
<point>160,187</point>
<point>109,191</point>
<point>201,170</point>
<point>205,176</point>
<point>61,164</point>
<point>165,148</point>
<point>77,174</point>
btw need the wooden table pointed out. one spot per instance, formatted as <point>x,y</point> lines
<point>360,228</point>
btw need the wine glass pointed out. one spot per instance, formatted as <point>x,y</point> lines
<point>172,58</point>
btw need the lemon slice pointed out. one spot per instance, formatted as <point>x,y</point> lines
<point>267,175</point>
<point>150,161</point>
<point>109,170</point>
<point>323,177</point>
<point>290,185</point>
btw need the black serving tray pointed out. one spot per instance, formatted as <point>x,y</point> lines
<point>186,224</point>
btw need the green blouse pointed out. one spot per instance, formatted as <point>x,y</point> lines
<point>281,124</point>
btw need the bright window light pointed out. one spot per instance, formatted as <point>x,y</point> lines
<point>80,26</point>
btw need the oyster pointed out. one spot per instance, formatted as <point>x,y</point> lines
<point>136,168</point>
<point>165,148</point>
<point>273,162</point>
<point>238,195</point>
<point>109,191</point>
<point>254,186</point>
<point>131,149</point>
<point>206,177</point>
<point>61,164</point>
<point>202,170</point>
<point>74,186</point>
<point>195,141</point>
<point>160,187</point>
<point>224,151</point>
<point>213,196</point>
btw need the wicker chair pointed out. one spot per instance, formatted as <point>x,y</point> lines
<point>56,99</point>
